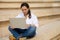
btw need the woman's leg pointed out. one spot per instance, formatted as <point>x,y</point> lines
<point>15,34</point>
<point>16,31</point>
<point>19,30</point>
<point>29,32</point>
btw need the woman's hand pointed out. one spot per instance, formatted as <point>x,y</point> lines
<point>27,25</point>
<point>12,26</point>
<point>30,25</point>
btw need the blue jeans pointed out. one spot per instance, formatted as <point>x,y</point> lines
<point>29,33</point>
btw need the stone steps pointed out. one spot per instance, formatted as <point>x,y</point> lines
<point>57,37</point>
<point>32,5</point>
<point>47,11</point>
<point>29,0</point>
<point>10,13</point>
<point>41,8</point>
<point>4,33</point>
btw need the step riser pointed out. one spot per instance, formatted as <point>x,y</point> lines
<point>29,0</point>
<point>38,12</point>
<point>32,5</point>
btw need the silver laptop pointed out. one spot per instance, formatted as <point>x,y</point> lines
<point>18,22</point>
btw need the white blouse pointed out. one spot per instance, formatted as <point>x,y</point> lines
<point>33,20</point>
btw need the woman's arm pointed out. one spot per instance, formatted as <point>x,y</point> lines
<point>35,22</point>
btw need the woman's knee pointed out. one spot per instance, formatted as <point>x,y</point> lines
<point>33,27</point>
<point>9,28</point>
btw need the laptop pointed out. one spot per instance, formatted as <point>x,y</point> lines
<point>18,22</point>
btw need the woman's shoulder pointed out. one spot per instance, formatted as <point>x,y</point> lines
<point>33,15</point>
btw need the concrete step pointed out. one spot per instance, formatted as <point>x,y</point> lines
<point>9,13</point>
<point>46,32</point>
<point>49,28</point>
<point>32,5</point>
<point>4,38</point>
<point>42,21</point>
<point>29,0</point>
<point>57,37</point>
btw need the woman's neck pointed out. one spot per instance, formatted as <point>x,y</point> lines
<point>25,15</point>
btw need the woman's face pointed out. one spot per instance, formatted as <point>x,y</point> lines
<point>24,10</point>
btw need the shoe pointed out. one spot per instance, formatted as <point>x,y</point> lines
<point>23,38</point>
<point>20,36</point>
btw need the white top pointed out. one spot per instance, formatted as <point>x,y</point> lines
<point>33,20</point>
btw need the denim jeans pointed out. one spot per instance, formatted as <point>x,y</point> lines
<point>30,32</point>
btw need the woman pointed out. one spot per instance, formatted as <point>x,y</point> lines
<point>31,21</point>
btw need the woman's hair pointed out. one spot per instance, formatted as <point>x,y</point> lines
<point>26,5</point>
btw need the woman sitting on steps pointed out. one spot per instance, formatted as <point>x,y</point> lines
<point>31,21</point>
